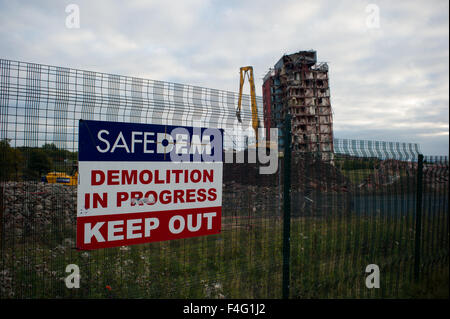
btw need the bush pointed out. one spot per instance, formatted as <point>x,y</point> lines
<point>38,163</point>
<point>11,160</point>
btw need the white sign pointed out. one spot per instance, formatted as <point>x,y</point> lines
<point>141,183</point>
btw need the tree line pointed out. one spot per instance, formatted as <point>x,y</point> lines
<point>31,163</point>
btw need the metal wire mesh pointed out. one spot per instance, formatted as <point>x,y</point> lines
<point>361,211</point>
<point>346,213</point>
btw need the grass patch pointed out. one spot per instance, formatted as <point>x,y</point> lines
<point>356,176</point>
<point>432,286</point>
<point>328,259</point>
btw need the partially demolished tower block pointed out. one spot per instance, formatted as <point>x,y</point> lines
<point>298,85</point>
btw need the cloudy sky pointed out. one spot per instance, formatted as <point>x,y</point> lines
<point>388,60</point>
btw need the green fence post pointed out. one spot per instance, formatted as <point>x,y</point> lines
<point>287,207</point>
<point>1,215</point>
<point>418,218</point>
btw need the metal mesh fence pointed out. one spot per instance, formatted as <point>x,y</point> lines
<point>345,214</point>
<point>362,211</point>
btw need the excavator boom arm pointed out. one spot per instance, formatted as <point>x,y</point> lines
<point>248,70</point>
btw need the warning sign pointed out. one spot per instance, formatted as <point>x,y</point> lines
<point>141,183</point>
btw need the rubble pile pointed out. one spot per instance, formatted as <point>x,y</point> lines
<point>34,207</point>
<point>309,173</point>
<point>435,176</point>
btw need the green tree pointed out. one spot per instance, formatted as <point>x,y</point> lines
<point>38,163</point>
<point>62,159</point>
<point>11,160</point>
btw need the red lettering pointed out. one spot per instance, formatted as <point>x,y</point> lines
<point>87,200</point>
<point>201,196</point>
<point>129,178</point>
<point>151,197</point>
<point>209,176</point>
<point>178,196</point>
<point>96,199</point>
<point>167,199</point>
<point>157,180</point>
<point>212,194</point>
<point>149,176</point>
<point>177,175</point>
<point>121,197</point>
<point>94,175</point>
<point>112,176</point>
<point>196,179</point>
<point>190,195</point>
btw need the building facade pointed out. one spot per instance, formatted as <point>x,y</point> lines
<point>299,86</point>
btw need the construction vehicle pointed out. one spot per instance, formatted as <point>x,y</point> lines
<point>248,71</point>
<point>62,178</point>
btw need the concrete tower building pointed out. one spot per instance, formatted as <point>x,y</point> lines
<point>298,85</point>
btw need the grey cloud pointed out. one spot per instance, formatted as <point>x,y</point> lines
<point>379,77</point>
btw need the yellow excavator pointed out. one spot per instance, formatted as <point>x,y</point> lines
<point>248,71</point>
<point>62,178</point>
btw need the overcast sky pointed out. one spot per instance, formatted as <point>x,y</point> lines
<point>388,60</point>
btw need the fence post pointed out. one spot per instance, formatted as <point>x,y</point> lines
<point>418,231</point>
<point>2,193</point>
<point>287,207</point>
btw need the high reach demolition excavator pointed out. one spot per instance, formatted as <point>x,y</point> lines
<point>247,71</point>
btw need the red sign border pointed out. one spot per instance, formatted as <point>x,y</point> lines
<point>159,234</point>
